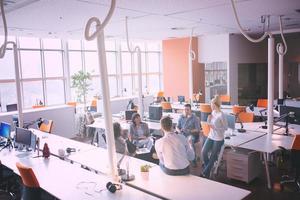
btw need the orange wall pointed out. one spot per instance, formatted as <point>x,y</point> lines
<point>176,66</point>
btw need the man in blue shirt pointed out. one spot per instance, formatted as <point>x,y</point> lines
<point>189,125</point>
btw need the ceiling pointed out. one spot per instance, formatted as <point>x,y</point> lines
<point>148,19</point>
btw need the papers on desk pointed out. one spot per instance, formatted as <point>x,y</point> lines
<point>142,151</point>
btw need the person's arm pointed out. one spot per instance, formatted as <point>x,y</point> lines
<point>196,129</point>
<point>158,149</point>
<point>146,130</point>
<point>189,149</point>
<point>220,125</point>
<point>179,125</point>
<point>132,133</point>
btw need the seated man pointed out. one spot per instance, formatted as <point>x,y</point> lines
<point>189,125</point>
<point>173,150</point>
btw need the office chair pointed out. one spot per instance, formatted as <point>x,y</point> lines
<point>31,186</point>
<point>93,106</point>
<point>246,117</point>
<point>295,161</point>
<point>262,103</point>
<point>205,110</point>
<point>166,106</point>
<point>225,99</point>
<point>205,128</point>
<point>72,103</point>
<point>238,109</point>
<point>46,125</point>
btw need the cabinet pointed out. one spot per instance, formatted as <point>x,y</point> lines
<point>243,164</point>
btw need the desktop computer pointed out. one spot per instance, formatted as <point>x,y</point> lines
<point>155,112</point>
<point>5,130</point>
<point>181,99</point>
<point>128,114</point>
<point>23,138</point>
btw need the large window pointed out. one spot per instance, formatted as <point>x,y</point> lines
<point>46,67</point>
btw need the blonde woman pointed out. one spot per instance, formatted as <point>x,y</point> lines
<point>218,125</point>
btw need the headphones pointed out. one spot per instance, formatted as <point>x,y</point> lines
<point>113,187</point>
<point>69,150</point>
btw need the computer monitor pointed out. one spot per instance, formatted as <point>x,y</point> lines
<point>11,107</point>
<point>5,130</point>
<point>230,121</point>
<point>181,99</point>
<point>155,112</point>
<point>128,114</point>
<point>23,136</point>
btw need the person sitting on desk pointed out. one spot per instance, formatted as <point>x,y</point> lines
<point>218,125</point>
<point>189,125</point>
<point>139,132</point>
<point>173,150</point>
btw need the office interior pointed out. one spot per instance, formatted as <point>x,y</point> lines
<point>185,52</point>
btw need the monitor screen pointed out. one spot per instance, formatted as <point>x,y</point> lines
<point>181,99</point>
<point>11,107</point>
<point>23,136</point>
<point>4,130</point>
<point>230,121</point>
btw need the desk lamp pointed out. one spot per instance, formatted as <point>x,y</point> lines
<point>125,175</point>
<point>285,116</point>
<point>240,130</point>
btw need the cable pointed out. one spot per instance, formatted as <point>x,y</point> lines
<point>283,39</point>
<point>191,52</point>
<point>99,26</point>
<point>3,46</point>
<point>243,32</point>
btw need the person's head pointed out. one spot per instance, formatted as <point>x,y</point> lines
<point>166,123</point>
<point>216,103</point>
<point>117,129</point>
<point>187,109</point>
<point>136,119</point>
<point>135,108</point>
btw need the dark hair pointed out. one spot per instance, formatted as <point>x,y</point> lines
<point>117,129</point>
<point>134,116</point>
<point>166,123</point>
<point>188,106</point>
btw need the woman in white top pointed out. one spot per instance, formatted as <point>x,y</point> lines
<point>215,140</point>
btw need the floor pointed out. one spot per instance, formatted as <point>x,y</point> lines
<point>258,186</point>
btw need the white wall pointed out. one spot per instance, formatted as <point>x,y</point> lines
<point>213,48</point>
<point>243,51</point>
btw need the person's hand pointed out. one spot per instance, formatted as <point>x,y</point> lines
<point>208,118</point>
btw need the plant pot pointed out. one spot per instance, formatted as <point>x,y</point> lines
<point>145,175</point>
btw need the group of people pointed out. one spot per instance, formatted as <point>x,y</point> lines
<point>176,149</point>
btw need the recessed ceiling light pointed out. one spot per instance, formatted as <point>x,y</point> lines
<point>177,28</point>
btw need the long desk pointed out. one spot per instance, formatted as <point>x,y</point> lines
<point>68,181</point>
<point>159,183</point>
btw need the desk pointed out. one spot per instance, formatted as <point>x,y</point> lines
<point>58,178</point>
<point>161,184</point>
<point>56,142</point>
<point>268,144</point>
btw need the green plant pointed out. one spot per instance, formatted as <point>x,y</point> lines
<point>81,82</point>
<point>145,168</point>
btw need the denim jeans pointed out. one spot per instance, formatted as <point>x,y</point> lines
<point>214,147</point>
<point>194,139</point>
<point>175,172</point>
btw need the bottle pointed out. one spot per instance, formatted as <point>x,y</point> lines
<point>46,151</point>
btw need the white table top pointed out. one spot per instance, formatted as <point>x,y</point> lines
<point>68,181</point>
<point>170,187</point>
<point>56,142</point>
<point>269,143</point>
<point>253,131</point>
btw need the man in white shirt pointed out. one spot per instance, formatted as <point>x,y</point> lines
<point>173,150</point>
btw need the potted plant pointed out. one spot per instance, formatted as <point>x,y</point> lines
<point>81,83</point>
<point>145,171</point>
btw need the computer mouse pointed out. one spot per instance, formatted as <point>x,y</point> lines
<point>227,137</point>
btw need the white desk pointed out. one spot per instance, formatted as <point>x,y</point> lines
<point>253,131</point>
<point>68,181</point>
<point>160,184</point>
<point>56,142</point>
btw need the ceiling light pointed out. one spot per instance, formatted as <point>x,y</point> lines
<point>177,28</point>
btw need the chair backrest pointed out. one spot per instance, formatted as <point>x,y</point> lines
<point>38,106</point>
<point>246,117</point>
<point>205,128</point>
<point>28,177</point>
<point>262,103</point>
<point>166,105</point>
<point>160,94</point>
<point>238,109</point>
<point>225,99</point>
<point>72,103</point>
<point>296,142</point>
<point>46,126</point>
<point>205,110</point>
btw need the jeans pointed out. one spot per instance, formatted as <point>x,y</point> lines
<point>214,148</point>
<point>174,172</point>
<point>194,139</point>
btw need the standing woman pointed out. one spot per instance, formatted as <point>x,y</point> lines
<point>218,125</point>
<point>139,133</point>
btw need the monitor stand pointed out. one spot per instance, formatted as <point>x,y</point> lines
<point>23,148</point>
